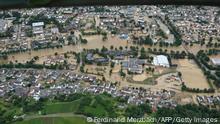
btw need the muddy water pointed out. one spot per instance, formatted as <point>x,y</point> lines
<point>93,42</point>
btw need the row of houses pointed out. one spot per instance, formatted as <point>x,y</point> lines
<point>29,83</point>
<point>208,100</point>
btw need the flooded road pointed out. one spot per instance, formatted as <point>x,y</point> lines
<point>93,42</point>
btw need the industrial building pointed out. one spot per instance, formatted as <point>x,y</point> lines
<point>161,60</point>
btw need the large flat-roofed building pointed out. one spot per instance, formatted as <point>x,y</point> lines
<point>161,60</point>
<point>38,27</point>
<point>134,65</point>
<point>215,61</point>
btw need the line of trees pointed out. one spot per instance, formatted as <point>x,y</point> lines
<point>31,65</point>
<point>197,90</point>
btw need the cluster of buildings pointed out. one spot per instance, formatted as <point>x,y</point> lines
<point>120,20</point>
<point>208,100</point>
<point>136,95</point>
<point>53,60</point>
<point>91,58</point>
<point>194,23</point>
<point>22,81</point>
<point>134,65</point>
<point>30,83</point>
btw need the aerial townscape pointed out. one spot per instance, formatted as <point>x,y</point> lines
<point>61,65</point>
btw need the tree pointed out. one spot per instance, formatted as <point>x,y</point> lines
<point>112,65</point>
<point>179,74</point>
<point>111,47</point>
<point>65,55</point>
<point>122,74</point>
<point>110,72</point>
<point>121,48</point>
<point>82,69</point>
<point>55,53</point>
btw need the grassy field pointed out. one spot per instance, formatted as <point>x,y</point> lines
<point>61,107</point>
<point>55,120</point>
<point>94,107</point>
<point>98,110</point>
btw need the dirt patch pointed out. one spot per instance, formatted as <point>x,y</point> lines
<point>116,69</point>
<point>140,77</point>
<point>183,98</point>
<point>192,75</point>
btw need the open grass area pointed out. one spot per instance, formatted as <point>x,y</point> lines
<point>55,120</point>
<point>61,107</point>
<point>98,110</point>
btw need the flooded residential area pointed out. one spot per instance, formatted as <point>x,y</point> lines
<point>134,56</point>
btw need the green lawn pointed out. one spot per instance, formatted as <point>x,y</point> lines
<point>61,107</point>
<point>97,111</point>
<point>55,120</point>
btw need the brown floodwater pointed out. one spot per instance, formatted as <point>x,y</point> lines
<point>93,42</point>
